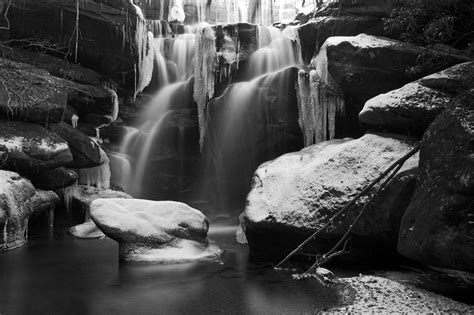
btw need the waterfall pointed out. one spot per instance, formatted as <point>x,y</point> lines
<point>204,73</point>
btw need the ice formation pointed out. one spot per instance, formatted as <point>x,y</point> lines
<point>204,72</point>
<point>98,176</point>
<point>319,101</point>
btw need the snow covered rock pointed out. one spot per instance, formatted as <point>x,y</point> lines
<point>437,228</point>
<point>297,193</point>
<point>30,147</point>
<point>19,201</point>
<point>155,231</point>
<point>414,106</point>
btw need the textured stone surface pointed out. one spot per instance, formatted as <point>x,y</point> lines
<point>437,228</point>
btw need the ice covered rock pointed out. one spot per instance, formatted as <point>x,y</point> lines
<point>155,231</point>
<point>19,201</point>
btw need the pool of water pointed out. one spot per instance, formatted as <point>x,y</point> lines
<point>55,273</point>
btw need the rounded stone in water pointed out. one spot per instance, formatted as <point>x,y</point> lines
<point>155,231</point>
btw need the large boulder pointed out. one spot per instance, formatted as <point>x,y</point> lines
<point>414,106</point>
<point>19,201</point>
<point>356,68</point>
<point>155,231</point>
<point>437,228</point>
<point>30,94</point>
<point>297,193</point>
<point>29,147</point>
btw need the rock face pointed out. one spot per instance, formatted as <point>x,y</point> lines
<point>299,192</point>
<point>357,67</point>
<point>108,32</point>
<point>414,106</point>
<point>53,179</point>
<point>155,231</point>
<point>437,228</point>
<point>18,202</point>
<point>30,147</point>
<point>30,94</point>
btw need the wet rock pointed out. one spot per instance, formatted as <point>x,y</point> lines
<point>414,106</point>
<point>437,228</point>
<point>53,179</point>
<point>31,147</point>
<point>155,231</point>
<point>85,151</point>
<point>19,201</point>
<point>30,94</point>
<point>297,193</point>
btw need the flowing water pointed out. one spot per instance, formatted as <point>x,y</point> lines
<point>55,274</point>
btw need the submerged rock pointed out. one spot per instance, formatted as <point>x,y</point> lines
<point>297,193</point>
<point>155,231</point>
<point>437,228</point>
<point>19,201</point>
<point>414,106</point>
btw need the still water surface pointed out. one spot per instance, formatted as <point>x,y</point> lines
<point>55,274</point>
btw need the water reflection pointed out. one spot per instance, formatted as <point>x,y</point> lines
<point>64,275</point>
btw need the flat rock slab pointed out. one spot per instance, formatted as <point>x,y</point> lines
<point>155,231</point>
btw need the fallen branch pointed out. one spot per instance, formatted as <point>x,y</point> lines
<point>395,166</point>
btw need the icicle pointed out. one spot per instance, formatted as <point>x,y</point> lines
<point>5,234</point>
<point>74,121</point>
<point>98,176</point>
<point>204,71</point>
<point>67,194</point>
